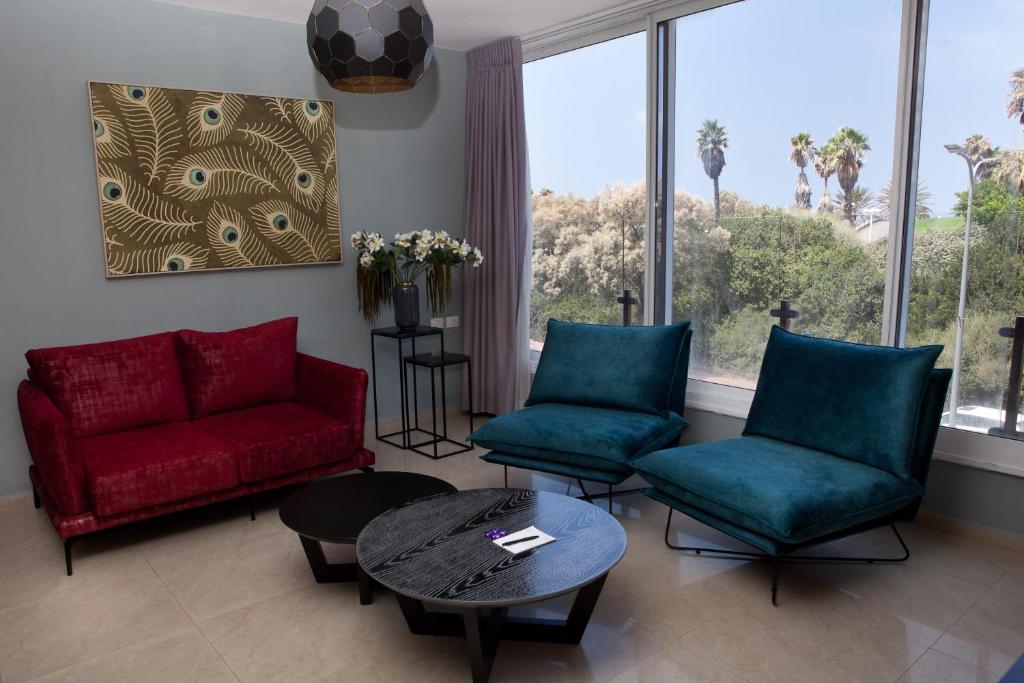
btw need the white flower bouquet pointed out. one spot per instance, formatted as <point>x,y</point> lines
<point>384,265</point>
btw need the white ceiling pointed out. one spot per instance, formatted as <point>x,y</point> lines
<point>458,24</point>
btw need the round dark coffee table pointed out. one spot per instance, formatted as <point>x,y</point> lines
<point>435,553</point>
<point>335,510</point>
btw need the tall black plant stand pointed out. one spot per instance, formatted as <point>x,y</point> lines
<point>441,362</point>
<point>400,336</point>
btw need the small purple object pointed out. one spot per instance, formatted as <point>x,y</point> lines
<point>495,534</point>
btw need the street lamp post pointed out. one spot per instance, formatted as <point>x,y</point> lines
<point>973,165</point>
<point>872,212</point>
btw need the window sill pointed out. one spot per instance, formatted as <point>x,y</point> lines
<point>981,451</point>
<point>720,399</point>
<point>969,449</point>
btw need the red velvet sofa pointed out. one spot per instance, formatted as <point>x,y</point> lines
<point>125,430</point>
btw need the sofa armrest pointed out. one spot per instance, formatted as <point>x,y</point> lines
<point>335,389</point>
<point>52,447</point>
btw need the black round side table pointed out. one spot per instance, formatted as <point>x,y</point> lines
<point>335,510</point>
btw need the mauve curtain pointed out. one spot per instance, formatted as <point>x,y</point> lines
<point>497,221</point>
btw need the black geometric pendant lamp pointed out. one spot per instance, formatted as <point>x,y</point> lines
<point>370,46</point>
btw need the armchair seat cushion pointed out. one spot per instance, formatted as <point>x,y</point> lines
<point>788,493</point>
<point>144,467</point>
<point>581,436</point>
<point>280,438</point>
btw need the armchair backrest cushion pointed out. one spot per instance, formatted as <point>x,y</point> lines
<point>677,399</point>
<point>629,368</point>
<point>238,369</point>
<point>112,386</point>
<point>856,401</point>
<point>928,423</point>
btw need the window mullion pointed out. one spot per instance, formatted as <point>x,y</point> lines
<point>906,150</point>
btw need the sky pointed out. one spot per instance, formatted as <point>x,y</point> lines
<point>768,69</point>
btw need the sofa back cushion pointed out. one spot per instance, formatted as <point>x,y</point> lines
<point>112,386</point>
<point>241,368</point>
<point>857,401</point>
<point>629,368</point>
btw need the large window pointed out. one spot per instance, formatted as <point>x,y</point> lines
<point>970,135</point>
<point>783,156</point>
<point>799,152</point>
<point>587,172</point>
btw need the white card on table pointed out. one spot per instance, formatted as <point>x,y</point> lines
<point>517,543</point>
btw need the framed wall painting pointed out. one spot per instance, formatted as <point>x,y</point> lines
<point>200,180</point>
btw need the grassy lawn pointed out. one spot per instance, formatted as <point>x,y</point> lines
<point>924,225</point>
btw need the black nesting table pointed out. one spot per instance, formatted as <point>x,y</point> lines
<point>440,361</point>
<point>434,553</point>
<point>400,337</point>
<point>335,510</point>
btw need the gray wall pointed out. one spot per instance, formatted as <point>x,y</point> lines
<point>400,161</point>
<point>969,494</point>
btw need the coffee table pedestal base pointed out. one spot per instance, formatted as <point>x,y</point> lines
<point>485,627</point>
<point>335,572</point>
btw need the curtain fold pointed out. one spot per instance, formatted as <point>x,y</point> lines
<point>498,221</point>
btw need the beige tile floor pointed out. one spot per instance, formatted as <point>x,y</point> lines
<point>210,596</point>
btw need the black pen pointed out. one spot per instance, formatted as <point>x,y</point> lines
<point>520,540</point>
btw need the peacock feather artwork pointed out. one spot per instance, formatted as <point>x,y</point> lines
<point>196,180</point>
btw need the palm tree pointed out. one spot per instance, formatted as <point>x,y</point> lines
<point>862,199</point>
<point>979,147</point>
<point>850,146</point>
<point>825,166</point>
<point>801,154</point>
<point>1009,170</point>
<point>1015,107</point>
<point>924,201</point>
<point>711,144</point>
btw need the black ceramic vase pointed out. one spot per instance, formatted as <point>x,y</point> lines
<point>406,298</point>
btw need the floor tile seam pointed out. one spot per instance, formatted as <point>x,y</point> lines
<point>87,658</point>
<point>91,658</point>
<point>961,617</point>
<point>194,623</point>
<point>705,658</point>
<point>273,529</point>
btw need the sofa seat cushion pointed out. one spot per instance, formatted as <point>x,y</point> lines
<point>246,367</point>
<point>280,438</point>
<point>598,438</point>
<point>624,368</point>
<point>144,467</point>
<point>112,386</point>
<point>786,492</point>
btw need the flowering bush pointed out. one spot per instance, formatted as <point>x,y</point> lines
<point>382,265</point>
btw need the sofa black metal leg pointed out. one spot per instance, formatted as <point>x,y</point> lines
<point>36,500</point>
<point>67,553</point>
<point>609,499</point>
<point>775,582</point>
<point>506,476</point>
<point>252,507</point>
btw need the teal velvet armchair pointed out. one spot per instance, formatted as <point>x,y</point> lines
<point>602,396</point>
<point>838,441</point>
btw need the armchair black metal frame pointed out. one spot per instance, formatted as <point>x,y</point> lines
<point>587,496</point>
<point>777,560</point>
